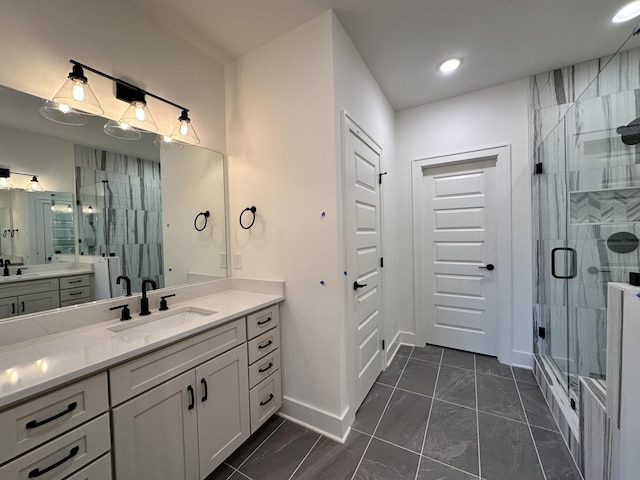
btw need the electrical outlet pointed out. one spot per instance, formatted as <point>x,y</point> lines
<point>237,261</point>
<point>223,260</point>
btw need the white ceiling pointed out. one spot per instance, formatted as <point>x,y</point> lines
<point>403,41</point>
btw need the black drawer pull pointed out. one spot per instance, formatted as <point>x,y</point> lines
<point>205,390</point>
<point>262,404</point>
<point>22,303</point>
<point>74,281</point>
<point>13,308</point>
<point>260,347</point>
<point>192,397</point>
<point>35,424</point>
<point>262,370</point>
<point>36,472</point>
<point>76,293</point>
<point>265,321</point>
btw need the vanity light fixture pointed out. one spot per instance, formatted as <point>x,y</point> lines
<point>450,65</point>
<point>137,114</point>
<point>121,130</point>
<point>61,113</point>
<point>629,11</point>
<point>77,94</point>
<point>32,186</point>
<point>164,141</point>
<point>5,182</point>
<point>183,131</point>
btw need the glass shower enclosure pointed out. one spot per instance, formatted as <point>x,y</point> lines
<point>587,206</point>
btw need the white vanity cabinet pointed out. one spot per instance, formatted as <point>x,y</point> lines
<point>75,289</point>
<point>30,296</point>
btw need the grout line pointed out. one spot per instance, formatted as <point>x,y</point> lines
<point>426,428</point>
<point>450,466</point>
<point>475,378</point>
<point>306,456</point>
<point>261,443</point>
<point>535,445</point>
<point>380,419</point>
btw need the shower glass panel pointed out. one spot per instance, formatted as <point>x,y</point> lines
<point>588,209</point>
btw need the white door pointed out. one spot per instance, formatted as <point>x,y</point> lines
<point>363,239</point>
<point>461,256</point>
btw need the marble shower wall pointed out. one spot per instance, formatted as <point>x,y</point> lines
<point>125,217</point>
<point>589,190</point>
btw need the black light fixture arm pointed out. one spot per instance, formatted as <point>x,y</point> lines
<point>130,85</point>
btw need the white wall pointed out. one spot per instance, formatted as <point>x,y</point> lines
<point>488,117</point>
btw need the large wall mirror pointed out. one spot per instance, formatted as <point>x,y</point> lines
<point>131,205</point>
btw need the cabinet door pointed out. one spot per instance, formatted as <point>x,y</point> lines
<point>223,407</point>
<point>155,435</point>
<point>37,302</point>
<point>8,307</point>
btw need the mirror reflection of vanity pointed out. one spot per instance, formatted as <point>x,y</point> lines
<point>110,207</point>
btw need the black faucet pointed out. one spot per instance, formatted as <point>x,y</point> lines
<point>144,301</point>
<point>6,267</point>
<point>127,282</point>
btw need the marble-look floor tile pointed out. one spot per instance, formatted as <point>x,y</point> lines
<point>535,406</point>
<point>457,385</point>
<point>419,377</point>
<point>405,350</point>
<point>384,461</point>
<point>330,460</point>
<point>239,476</point>
<point>405,420</point>
<point>452,436</point>
<point>254,441</point>
<point>507,450</point>
<point>370,411</point>
<point>554,455</point>
<point>431,470</point>
<point>499,396</point>
<point>223,472</point>
<point>491,366</point>
<point>430,353</point>
<point>391,375</point>
<point>278,458</point>
<point>458,358</point>
<point>524,375</point>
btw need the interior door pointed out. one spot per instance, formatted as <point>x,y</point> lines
<point>461,256</point>
<point>364,283</point>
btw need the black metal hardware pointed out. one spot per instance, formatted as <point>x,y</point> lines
<point>75,293</point>
<point>7,262</point>
<point>489,267</point>
<point>192,396</point>
<point>253,210</point>
<point>36,472</point>
<point>542,332</point>
<point>204,215</point>
<point>75,281</point>
<point>357,285</point>
<point>205,390</point>
<point>383,344</point>
<point>163,301</point>
<point>126,313</point>
<point>13,308</point>
<point>260,347</point>
<point>380,177</point>
<point>127,282</point>
<point>144,301</point>
<point>35,424</point>
<point>262,370</point>
<point>539,169</point>
<point>262,404</point>
<point>381,262</point>
<point>574,267</point>
<point>264,321</point>
<point>573,403</point>
<point>22,303</point>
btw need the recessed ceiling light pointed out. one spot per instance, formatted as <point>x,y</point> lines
<point>450,65</point>
<point>629,11</point>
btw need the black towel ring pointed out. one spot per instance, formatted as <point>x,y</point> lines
<point>206,217</point>
<point>253,212</point>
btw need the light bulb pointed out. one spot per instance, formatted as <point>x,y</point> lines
<point>64,108</point>
<point>125,126</point>
<point>184,128</point>
<point>167,139</point>
<point>5,184</point>
<point>449,65</point>
<point>69,209</point>
<point>629,11</point>
<point>140,111</point>
<point>78,91</point>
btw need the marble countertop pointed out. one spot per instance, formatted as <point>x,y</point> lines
<point>33,366</point>
<point>26,275</point>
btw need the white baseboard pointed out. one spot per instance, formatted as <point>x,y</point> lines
<point>335,427</point>
<point>407,338</point>
<point>522,359</point>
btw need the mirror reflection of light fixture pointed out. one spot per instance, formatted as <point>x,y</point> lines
<point>5,182</point>
<point>32,186</point>
<point>61,113</point>
<point>121,130</point>
<point>77,94</point>
<point>69,209</point>
<point>183,131</point>
<point>164,141</point>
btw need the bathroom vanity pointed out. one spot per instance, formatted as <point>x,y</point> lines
<point>169,395</point>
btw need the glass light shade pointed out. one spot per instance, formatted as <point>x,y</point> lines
<point>138,116</point>
<point>626,13</point>
<point>61,113</point>
<point>34,185</point>
<point>121,130</point>
<point>78,95</point>
<point>184,131</point>
<point>5,183</point>
<point>166,142</point>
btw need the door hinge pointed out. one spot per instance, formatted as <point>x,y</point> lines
<point>381,262</point>
<point>380,177</point>
<point>538,169</point>
<point>383,344</point>
<point>542,332</point>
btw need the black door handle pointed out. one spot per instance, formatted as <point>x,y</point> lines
<point>205,390</point>
<point>262,404</point>
<point>357,285</point>
<point>35,424</point>
<point>574,267</point>
<point>192,397</point>
<point>490,266</point>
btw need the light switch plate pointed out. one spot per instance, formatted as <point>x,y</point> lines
<point>237,261</point>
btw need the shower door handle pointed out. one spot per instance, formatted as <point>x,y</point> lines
<point>573,270</point>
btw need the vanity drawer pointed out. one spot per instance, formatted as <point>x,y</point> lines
<point>141,374</point>
<point>64,455</point>
<point>98,470</point>
<point>265,400</point>
<point>71,294</point>
<point>260,322</point>
<point>265,367</point>
<point>74,281</point>
<point>29,286</point>
<point>31,424</point>
<point>264,344</point>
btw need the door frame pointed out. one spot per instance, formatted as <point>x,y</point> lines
<point>348,125</point>
<point>502,156</point>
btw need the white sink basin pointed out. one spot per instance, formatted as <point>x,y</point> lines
<point>159,322</point>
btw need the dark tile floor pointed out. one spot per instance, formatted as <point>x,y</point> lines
<point>434,414</point>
